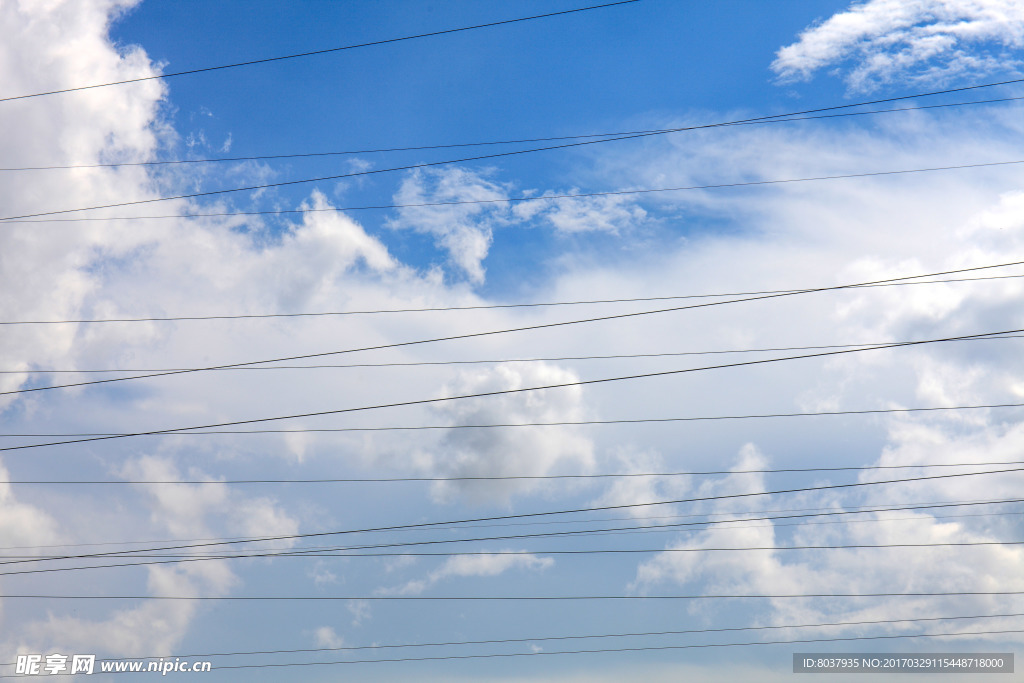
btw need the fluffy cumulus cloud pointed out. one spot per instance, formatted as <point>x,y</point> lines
<point>946,567</point>
<point>465,231</point>
<point>769,237</point>
<point>923,41</point>
<point>895,233</point>
<point>183,511</point>
<point>522,452</point>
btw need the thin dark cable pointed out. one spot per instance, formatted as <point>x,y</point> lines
<point>481,553</point>
<point>625,649</point>
<point>585,637</point>
<point>477,308</point>
<point>319,52</point>
<point>722,525</point>
<point>527,515</point>
<point>526,328</point>
<point>539,149</point>
<point>731,525</point>
<point>709,519</point>
<point>605,650</point>
<point>514,477</point>
<point>51,371</point>
<point>419,148</point>
<point>502,598</point>
<point>754,183</point>
<point>502,392</point>
<point>654,420</point>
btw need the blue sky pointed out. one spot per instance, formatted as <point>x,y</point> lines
<point>641,66</point>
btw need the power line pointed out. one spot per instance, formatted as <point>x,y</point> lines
<point>263,157</point>
<point>503,154</point>
<point>728,524</point>
<point>531,477</point>
<point>504,598</point>
<point>484,394</point>
<point>280,212</point>
<point>345,553</point>
<point>708,519</point>
<point>524,515</point>
<point>755,183</point>
<point>51,371</point>
<point>653,420</point>
<point>482,426</point>
<point>617,316</point>
<point>503,641</point>
<point>728,519</point>
<point>625,649</point>
<point>267,60</point>
<point>595,651</point>
<point>482,307</point>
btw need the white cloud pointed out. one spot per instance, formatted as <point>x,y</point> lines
<point>772,237</point>
<point>921,41</point>
<point>465,231</point>
<point>527,451</point>
<point>464,566</point>
<point>611,214</point>
<point>325,636</point>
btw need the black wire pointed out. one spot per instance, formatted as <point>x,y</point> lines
<point>595,651</point>
<point>502,641</point>
<point>733,525</point>
<point>502,598</point>
<point>424,401</point>
<point>51,371</point>
<point>514,477</point>
<point>754,183</point>
<point>455,145</point>
<point>540,326</point>
<point>503,154</point>
<point>477,308</point>
<point>319,52</point>
<point>626,649</point>
<point>522,515</point>
<point>728,518</point>
<point>475,426</point>
<point>484,553</point>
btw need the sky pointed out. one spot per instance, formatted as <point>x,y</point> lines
<point>459,376</point>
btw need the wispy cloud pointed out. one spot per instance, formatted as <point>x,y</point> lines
<point>920,41</point>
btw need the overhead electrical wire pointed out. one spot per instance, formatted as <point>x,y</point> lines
<point>502,641</point>
<point>267,60</point>
<point>52,371</point>
<point>499,553</point>
<point>265,157</point>
<point>706,519</point>
<point>484,394</point>
<point>541,304</point>
<point>522,515</point>
<point>527,477</point>
<point>534,653</point>
<point>730,520</point>
<point>507,154</point>
<point>509,598</point>
<point>535,198</point>
<point>539,326</point>
<point>591,651</point>
<point>338,551</point>
<point>652,420</point>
